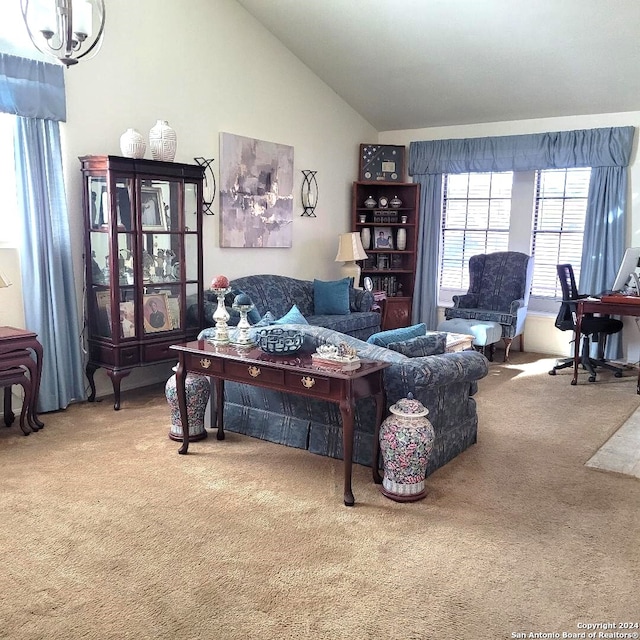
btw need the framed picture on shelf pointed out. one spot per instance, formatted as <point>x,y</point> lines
<point>383,238</point>
<point>127,320</point>
<point>156,313</point>
<point>103,304</point>
<point>153,213</point>
<point>173,305</point>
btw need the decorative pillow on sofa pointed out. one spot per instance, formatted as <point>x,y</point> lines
<point>384,338</point>
<point>431,344</point>
<point>331,298</point>
<point>293,316</point>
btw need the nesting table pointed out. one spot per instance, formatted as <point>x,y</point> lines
<point>16,349</point>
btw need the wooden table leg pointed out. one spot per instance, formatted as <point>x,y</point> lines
<point>181,392</point>
<point>576,347</point>
<point>346,411</point>
<point>218,384</point>
<point>38,350</point>
<point>375,463</point>
<point>9,416</point>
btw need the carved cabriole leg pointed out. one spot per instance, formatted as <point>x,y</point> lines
<point>181,392</point>
<point>219,387</point>
<point>507,346</point>
<point>346,411</point>
<point>116,378</point>
<point>375,463</point>
<point>91,369</point>
<point>9,416</point>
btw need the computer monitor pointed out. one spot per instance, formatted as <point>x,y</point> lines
<point>630,263</point>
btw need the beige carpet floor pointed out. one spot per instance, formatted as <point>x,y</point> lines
<point>107,533</point>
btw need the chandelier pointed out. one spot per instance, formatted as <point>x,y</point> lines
<point>64,28</point>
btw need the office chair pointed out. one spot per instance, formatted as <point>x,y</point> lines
<point>592,327</point>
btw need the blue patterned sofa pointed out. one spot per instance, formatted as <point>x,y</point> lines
<point>279,293</point>
<point>444,383</point>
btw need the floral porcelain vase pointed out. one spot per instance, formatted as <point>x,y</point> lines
<point>163,141</point>
<point>198,391</point>
<point>406,442</point>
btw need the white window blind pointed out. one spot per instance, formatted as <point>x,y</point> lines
<point>476,213</point>
<point>558,227</point>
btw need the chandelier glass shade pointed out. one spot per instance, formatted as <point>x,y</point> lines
<point>66,29</point>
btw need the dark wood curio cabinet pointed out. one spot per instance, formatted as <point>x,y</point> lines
<point>386,216</point>
<point>143,258</point>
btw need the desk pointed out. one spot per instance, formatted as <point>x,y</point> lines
<point>16,346</point>
<point>291,374</point>
<point>604,307</point>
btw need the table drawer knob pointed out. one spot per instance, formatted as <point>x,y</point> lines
<point>307,382</point>
<point>205,363</point>
<point>254,372</point>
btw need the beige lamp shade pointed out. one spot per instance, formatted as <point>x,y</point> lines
<point>4,281</point>
<point>350,248</point>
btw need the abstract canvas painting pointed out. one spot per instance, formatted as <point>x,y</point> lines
<point>256,192</point>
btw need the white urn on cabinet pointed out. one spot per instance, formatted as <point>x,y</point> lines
<point>132,144</point>
<point>163,141</point>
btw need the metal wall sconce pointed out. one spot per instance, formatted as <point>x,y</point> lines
<point>208,187</point>
<point>65,28</point>
<point>309,193</point>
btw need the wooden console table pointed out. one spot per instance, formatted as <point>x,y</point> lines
<point>16,346</point>
<point>290,374</point>
<point>625,306</point>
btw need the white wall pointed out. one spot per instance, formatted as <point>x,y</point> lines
<point>207,67</point>
<point>541,335</point>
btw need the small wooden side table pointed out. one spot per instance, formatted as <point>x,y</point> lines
<point>16,346</point>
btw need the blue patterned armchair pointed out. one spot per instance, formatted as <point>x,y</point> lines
<point>499,286</point>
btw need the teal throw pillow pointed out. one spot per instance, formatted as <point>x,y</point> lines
<point>293,316</point>
<point>430,345</point>
<point>385,338</point>
<point>331,298</point>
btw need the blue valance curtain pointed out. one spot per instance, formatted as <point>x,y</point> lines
<point>606,150</point>
<point>34,91</point>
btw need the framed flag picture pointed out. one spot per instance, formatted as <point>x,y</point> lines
<point>381,163</point>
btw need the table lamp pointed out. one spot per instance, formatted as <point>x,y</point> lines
<point>350,249</point>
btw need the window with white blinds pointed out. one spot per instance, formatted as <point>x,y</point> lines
<point>476,215</point>
<point>537,212</point>
<point>558,226</point>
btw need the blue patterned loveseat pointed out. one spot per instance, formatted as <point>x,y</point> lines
<point>279,293</point>
<point>444,383</point>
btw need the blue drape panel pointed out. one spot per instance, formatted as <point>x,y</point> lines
<point>604,243</point>
<point>603,149</point>
<point>423,309</point>
<point>50,304</point>
<point>31,88</point>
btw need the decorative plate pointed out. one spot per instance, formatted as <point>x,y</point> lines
<point>279,341</point>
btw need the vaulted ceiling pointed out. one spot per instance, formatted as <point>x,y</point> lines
<point>405,64</point>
